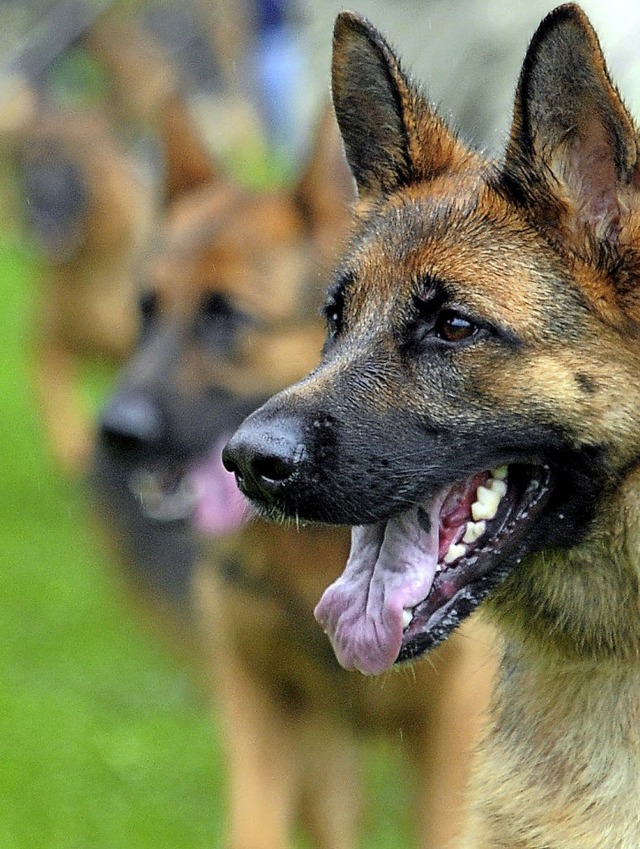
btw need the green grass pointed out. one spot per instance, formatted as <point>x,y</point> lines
<point>105,738</point>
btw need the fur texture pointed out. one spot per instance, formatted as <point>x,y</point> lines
<point>485,320</point>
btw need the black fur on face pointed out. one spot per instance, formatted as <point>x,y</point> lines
<point>154,413</point>
<point>361,462</point>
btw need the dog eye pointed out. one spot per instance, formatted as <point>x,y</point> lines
<point>453,327</point>
<point>148,308</point>
<point>218,320</point>
<point>332,312</point>
<point>333,321</point>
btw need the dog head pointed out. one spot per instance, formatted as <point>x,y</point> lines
<point>478,393</point>
<point>229,315</point>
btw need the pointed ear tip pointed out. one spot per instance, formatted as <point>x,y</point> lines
<point>567,13</point>
<point>351,22</point>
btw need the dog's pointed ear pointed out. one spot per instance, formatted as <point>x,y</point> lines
<point>391,135</point>
<point>573,152</point>
<point>325,189</point>
<point>188,163</point>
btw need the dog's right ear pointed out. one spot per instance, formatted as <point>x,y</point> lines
<point>573,156</point>
<point>392,136</point>
<point>188,164</point>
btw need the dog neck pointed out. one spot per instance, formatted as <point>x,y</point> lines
<point>581,604</point>
<point>564,743</point>
<point>565,732</point>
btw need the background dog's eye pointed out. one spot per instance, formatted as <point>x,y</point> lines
<point>148,308</point>
<point>218,321</point>
<point>451,326</point>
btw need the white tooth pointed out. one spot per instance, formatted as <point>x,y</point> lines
<point>498,486</point>
<point>486,506</point>
<point>454,552</point>
<point>407,618</point>
<point>500,472</point>
<point>474,531</point>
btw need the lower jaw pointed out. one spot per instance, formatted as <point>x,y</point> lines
<point>449,617</point>
<point>160,504</point>
<point>439,614</point>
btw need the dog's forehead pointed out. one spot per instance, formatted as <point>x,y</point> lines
<point>246,245</point>
<point>483,252</point>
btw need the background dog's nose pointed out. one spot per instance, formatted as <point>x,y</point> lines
<point>264,457</point>
<point>133,424</point>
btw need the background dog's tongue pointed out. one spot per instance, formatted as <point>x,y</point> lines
<point>220,506</point>
<point>391,567</point>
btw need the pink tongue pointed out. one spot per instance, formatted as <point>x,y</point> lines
<point>220,508</point>
<point>391,567</point>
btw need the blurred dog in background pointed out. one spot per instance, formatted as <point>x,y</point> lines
<point>89,209</point>
<point>229,314</point>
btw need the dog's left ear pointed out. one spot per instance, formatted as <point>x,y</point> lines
<point>392,136</point>
<point>325,190</point>
<point>188,164</point>
<point>573,154</point>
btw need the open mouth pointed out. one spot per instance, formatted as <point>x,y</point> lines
<point>202,493</point>
<point>411,580</point>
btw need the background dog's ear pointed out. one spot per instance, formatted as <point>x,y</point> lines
<point>573,153</point>
<point>188,163</point>
<point>326,188</point>
<point>392,137</point>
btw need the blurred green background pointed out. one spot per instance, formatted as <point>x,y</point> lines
<point>106,739</point>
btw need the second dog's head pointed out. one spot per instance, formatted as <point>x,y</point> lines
<point>229,314</point>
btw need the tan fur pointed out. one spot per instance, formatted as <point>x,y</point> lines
<point>292,720</point>
<point>536,258</point>
<point>88,286</point>
<point>84,309</point>
<point>560,766</point>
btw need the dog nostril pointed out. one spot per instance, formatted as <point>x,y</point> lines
<point>274,469</point>
<point>230,462</point>
<point>262,460</point>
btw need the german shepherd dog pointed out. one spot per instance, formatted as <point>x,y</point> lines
<point>475,418</point>
<point>90,208</point>
<point>229,315</point>
<point>89,213</point>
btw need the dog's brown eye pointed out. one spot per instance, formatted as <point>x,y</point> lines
<point>333,315</point>
<point>453,327</point>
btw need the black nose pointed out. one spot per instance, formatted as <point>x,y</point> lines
<point>264,456</point>
<point>132,424</point>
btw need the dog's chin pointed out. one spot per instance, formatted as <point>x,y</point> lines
<point>163,491</point>
<point>413,578</point>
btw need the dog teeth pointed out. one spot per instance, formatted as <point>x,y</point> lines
<point>455,551</point>
<point>486,505</point>
<point>484,508</point>
<point>497,486</point>
<point>474,531</point>
<point>407,618</point>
